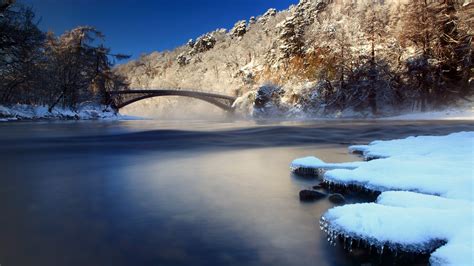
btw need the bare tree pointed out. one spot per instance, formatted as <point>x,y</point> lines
<point>4,5</point>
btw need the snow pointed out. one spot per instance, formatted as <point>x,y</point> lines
<point>427,185</point>
<point>315,163</point>
<point>31,112</point>
<point>449,176</point>
<point>420,145</point>
<point>449,114</point>
<point>411,222</point>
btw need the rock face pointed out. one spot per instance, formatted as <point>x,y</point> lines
<point>311,195</point>
<point>265,94</point>
<point>239,29</point>
<point>182,59</point>
<point>268,101</point>
<point>265,17</point>
<point>203,44</point>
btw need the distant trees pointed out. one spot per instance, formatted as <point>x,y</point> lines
<point>452,50</point>
<point>441,69</point>
<point>334,56</point>
<point>419,52</point>
<point>376,20</point>
<point>81,71</point>
<point>41,68</point>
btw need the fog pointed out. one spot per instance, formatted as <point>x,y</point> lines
<point>174,108</point>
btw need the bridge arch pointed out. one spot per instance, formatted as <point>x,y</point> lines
<point>120,99</point>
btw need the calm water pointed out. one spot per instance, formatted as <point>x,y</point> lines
<point>172,193</point>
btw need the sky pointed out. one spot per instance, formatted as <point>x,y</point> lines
<point>134,27</point>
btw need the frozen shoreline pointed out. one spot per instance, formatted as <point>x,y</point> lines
<point>426,201</point>
<point>22,112</point>
<point>99,112</point>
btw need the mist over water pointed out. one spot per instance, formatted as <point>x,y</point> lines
<point>174,108</point>
<point>173,192</point>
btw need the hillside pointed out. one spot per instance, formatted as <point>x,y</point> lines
<point>322,58</point>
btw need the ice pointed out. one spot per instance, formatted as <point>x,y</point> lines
<point>410,222</point>
<point>315,163</point>
<point>431,165</point>
<point>421,145</point>
<point>426,205</point>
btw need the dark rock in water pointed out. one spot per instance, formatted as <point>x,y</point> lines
<point>311,195</point>
<point>337,198</point>
<point>357,152</point>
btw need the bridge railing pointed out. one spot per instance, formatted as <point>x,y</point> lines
<point>182,89</point>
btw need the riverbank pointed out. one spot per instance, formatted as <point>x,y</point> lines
<point>425,198</point>
<point>23,112</point>
<point>20,112</point>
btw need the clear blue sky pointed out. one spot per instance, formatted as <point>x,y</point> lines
<point>142,26</point>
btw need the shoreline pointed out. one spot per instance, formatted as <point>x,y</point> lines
<point>407,177</point>
<point>9,114</point>
<point>40,113</point>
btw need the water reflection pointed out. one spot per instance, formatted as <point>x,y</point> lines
<point>136,194</point>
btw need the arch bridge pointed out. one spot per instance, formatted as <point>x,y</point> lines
<point>120,99</point>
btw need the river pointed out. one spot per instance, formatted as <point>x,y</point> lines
<point>173,192</point>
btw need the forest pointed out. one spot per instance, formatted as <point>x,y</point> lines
<point>318,57</point>
<point>324,57</point>
<point>40,68</point>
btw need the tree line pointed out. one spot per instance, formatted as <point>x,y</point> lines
<point>369,54</point>
<point>39,67</point>
<point>437,36</point>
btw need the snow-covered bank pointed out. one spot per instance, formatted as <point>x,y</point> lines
<point>277,102</point>
<point>427,200</point>
<point>30,112</point>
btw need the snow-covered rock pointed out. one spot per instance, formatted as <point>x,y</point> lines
<point>410,222</point>
<point>268,102</point>
<point>427,202</point>
<point>203,43</point>
<point>267,15</point>
<point>239,29</point>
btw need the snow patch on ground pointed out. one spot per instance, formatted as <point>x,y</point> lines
<point>31,112</point>
<point>427,184</point>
